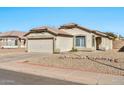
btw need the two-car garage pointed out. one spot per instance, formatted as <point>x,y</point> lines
<point>48,40</point>
<point>40,45</point>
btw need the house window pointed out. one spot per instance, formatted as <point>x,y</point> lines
<point>93,40</point>
<point>80,41</point>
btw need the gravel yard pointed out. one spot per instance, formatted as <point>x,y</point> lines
<point>109,62</point>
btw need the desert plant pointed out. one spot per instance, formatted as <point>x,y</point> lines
<point>57,51</point>
<point>74,50</point>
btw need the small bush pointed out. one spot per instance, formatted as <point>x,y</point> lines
<point>57,51</point>
<point>74,50</point>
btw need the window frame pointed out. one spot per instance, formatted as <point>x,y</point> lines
<point>80,41</point>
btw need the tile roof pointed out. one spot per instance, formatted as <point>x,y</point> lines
<point>49,29</point>
<point>73,25</point>
<point>70,24</point>
<point>101,33</point>
<point>13,33</point>
<point>60,31</point>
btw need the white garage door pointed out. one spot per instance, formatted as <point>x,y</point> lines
<point>40,45</point>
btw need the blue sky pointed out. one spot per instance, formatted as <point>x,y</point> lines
<point>23,19</point>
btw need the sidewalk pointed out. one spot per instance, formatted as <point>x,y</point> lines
<point>64,74</point>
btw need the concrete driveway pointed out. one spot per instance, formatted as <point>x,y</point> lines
<point>16,57</point>
<point>11,55</point>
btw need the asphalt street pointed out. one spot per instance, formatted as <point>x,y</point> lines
<point>16,78</point>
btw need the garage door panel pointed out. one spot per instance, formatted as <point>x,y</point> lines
<point>41,45</point>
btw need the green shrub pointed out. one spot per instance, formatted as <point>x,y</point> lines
<point>74,50</point>
<point>57,51</point>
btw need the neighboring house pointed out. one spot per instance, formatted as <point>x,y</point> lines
<point>12,39</point>
<point>66,38</point>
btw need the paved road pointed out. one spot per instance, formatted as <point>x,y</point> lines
<point>16,78</point>
<point>11,58</point>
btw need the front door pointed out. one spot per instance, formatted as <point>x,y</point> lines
<point>98,42</point>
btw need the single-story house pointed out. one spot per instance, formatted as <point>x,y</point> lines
<point>12,39</point>
<point>66,38</point>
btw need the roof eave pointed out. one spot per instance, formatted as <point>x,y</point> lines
<point>39,31</point>
<point>68,35</point>
<point>9,36</point>
<point>75,26</point>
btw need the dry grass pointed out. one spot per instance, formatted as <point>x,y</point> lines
<point>79,61</point>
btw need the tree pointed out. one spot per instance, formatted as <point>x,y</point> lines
<point>112,34</point>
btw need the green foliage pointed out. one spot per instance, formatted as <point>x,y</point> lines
<point>112,35</point>
<point>74,50</point>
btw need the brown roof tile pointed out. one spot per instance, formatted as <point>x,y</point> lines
<point>73,25</point>
<point>55,31</point>
<point>60,31</point>
<point>13,33</point>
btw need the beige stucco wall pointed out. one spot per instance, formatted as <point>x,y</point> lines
<point>106,44</point>
<point>79,32</point>
<point>64,43</point>
<point>61,43</point>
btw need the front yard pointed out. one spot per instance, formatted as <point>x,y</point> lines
<point>109,62</point>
